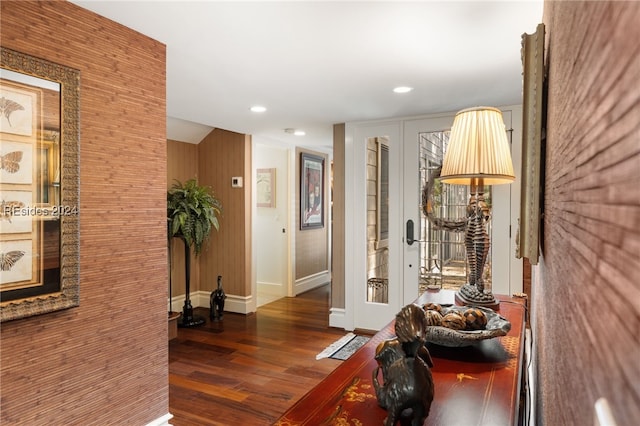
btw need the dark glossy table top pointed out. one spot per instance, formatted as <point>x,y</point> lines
<point>475,385</point>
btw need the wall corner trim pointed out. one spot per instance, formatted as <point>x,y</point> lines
<point>311,282</point>
<point>200,299</point>
<point>337,318</point>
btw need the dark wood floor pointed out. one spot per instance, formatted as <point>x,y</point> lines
<point>248,369</point>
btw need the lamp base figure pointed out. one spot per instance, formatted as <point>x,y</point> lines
<point>470,295</point>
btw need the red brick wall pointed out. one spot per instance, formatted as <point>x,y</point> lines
<point>104,362</point>
<point>586,291</point>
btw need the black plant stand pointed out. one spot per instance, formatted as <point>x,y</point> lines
<point>188,319</point>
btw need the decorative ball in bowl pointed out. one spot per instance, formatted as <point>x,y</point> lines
<point>458,326</point>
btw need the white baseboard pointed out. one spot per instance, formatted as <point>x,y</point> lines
<point>337,318</point>
<point>200,299</point>
<point>161,421</point>
<point>272,289</point>
<point>248,304</point>
<point>312,281</point>
<point>176,303</point>
<point>233,303</point>
<point>529,416</point>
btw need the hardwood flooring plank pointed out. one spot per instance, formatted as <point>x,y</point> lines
<point>249,369</point>
<point>193,408</point>
<point>207,388</point>
<point>219,379</point>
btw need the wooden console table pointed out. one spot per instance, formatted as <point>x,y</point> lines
<point>476,385</point>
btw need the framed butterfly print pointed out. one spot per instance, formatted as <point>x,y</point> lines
<point>39,186</point>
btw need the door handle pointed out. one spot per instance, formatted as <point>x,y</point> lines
<point>410,239</point>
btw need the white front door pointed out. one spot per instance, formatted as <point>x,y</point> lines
<point>366,307</point>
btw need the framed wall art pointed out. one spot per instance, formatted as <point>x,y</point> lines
<point>533,110</point>
<point>311,191</point>
<point>266,187</point>
<point>39,186</point>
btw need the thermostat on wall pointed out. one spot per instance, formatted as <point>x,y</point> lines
<point>236,182</point>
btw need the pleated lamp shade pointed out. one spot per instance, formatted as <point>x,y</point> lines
<point>478,149</point>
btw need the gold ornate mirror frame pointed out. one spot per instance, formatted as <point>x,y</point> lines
<point>532,116</point>
<point>39,185</point>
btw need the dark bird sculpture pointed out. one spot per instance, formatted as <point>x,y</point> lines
<point>406,369</point>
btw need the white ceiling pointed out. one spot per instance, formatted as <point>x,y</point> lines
<point>314,64</point>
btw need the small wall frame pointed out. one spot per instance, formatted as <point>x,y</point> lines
<point>266,187</point>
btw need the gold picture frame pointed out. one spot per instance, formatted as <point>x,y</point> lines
<point>533,110</point>
<point>39,185</point>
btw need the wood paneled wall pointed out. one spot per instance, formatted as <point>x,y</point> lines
<point>312,250</point>
<point>222,155</point>
<point>104,362</point>
<point>182,162</point>
<point>586,290</point>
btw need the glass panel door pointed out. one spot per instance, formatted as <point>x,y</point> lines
<point>442,219</point>
<point>378,220</point>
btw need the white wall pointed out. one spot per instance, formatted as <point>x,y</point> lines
<point>271,226</point>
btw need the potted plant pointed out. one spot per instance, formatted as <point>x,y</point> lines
<point>192,212</point>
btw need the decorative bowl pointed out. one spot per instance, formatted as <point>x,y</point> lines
<point>496,326</point>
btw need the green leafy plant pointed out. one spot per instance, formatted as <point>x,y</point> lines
<point>193,211</point>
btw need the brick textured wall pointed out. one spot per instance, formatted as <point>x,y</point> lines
<point>586,295</point>
<point>104,362</point>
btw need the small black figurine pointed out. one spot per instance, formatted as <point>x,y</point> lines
<point>216,302</point>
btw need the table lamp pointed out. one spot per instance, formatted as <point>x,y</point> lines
<point>478,154</point>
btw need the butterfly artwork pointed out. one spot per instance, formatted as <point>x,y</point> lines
<point>11,161</point>
<point>7,208</point>
<point>9,259</point>
<point>8,107</point>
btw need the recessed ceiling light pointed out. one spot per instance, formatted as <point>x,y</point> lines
<point>258,108</point>
<point>403,89</point>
